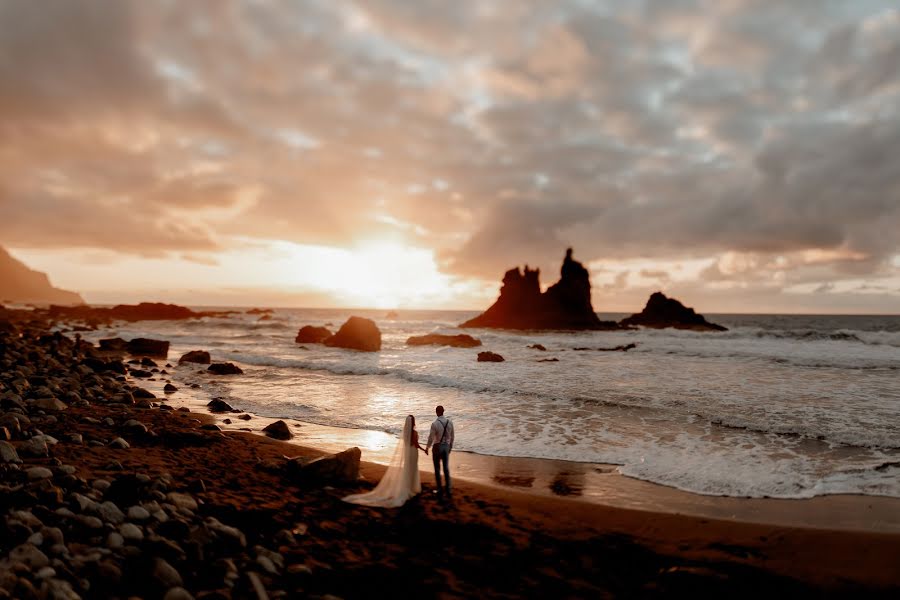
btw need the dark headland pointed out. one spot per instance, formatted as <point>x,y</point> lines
<point>19,284</point>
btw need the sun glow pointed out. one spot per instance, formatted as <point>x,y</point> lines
<point>375,274</point>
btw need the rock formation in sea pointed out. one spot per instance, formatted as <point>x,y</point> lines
<point>357,334</point>
<point>309,334</point>
<point>662,312</point>
<point>201,357</point>
<point>489,356</point>
<point>20,284</point>
<point>565,305</point>
<point>436,339</point>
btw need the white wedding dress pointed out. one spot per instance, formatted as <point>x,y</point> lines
<point>401,480</point>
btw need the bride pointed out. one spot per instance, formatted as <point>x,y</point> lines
<point>401,480</point>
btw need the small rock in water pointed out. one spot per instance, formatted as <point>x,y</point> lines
<point>170,389</point>
<point>218,405</point>
<point>489,357</point>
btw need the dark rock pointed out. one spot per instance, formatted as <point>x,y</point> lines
<point>201,357</point>
<point>245,417</point>
<point>357,334</point>
<point>148,362</point>
<point>142,393</point>
<point>210,427</point>
<point>218,405</point>
<point>337,468</point>
<point>624,348</point>
<point>549,360</point>
<point>662,312</point>
<point>490,357</point>
<point>565,305</point>
<point>278,430</point>
<point>148,347</point>
<point>259,311</point>
<point>312,335</point>
<point>170,389</point>
<point>225,369</point>
<point>538,347</point>
<point>113,344</point>
<point>461,340</point>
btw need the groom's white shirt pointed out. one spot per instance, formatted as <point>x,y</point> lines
<point>437,430</point>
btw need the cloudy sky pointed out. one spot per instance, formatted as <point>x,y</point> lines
<point>743,155</point>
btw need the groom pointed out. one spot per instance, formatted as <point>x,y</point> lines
<point>441,437</point>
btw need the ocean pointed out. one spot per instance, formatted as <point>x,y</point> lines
<point>783,406</point>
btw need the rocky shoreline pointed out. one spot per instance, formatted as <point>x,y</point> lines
<point>108,492</point>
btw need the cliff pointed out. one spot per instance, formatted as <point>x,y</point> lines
<point>20,284</point>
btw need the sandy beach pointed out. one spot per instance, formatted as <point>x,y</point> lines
<point>181,509</point>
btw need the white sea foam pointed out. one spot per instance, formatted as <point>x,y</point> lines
<point>776,406</point>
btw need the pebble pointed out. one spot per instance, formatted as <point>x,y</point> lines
<point>178,593</point>
<point>8,453</point>
<point>138,513</point>
<point>120,444</point>
<point>182,500</point>
<point>131,532</point>
<point>101,485</point>
<point>76,438</point>
<point>133,426</point>
<point>30,556</point>
<point>115,540</point>
<point>35,473</point>
<point>111,513</point>
<point>167,576</point>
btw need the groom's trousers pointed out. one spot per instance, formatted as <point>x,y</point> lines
<point>441,454</point>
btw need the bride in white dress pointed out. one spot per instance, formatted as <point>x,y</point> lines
<point>401,480</point>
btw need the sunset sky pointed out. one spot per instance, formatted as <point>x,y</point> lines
<point>742,155</point>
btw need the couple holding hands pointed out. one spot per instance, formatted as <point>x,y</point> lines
<point>401,480</point>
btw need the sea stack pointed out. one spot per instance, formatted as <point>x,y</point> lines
<point>565,305</point>
<point>662,312</point>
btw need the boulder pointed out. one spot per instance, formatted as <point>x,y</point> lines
<point>336,468</point>
<point>148,347</point>
<point>312,335</point>
<point>102,366</point>
<point>201,357</point>
<point>225,369</point>
<point>140,373</point>
<point>278,430</point>
<point>357,334</point>
<point>490,357</point>
<point>662,312</point>
<point>217,405</point>
<point>51,404</point>
<point>461,340</point>
<point>113,344</point>
<point>566,305</point>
